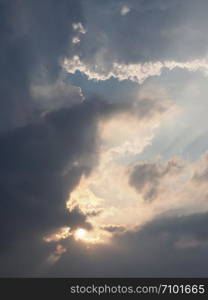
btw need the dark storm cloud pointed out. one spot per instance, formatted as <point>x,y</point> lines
<point>34,35</point>
<point>38,172</point>
<point>165,247</point>
<point>39,165</point>
<point>146,177</point>
<point>152,30</point>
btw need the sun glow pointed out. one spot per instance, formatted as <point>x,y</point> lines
<point>80,234</point>
<point>90,237</point>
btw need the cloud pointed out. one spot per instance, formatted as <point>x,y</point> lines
<point>75,40</point>
<point>201,175</point>
<point>114,228</point>
<point>77,196</point>
<point>151,33</point>
<point>121,137</point>
<point>53,258</point>
<point>156,250</point>
<point>58,235</point>
<point>125,10</point>
<point>137,192</point>
<point>49,159</point>
<point>35,37</point>
<point>147,177</point>
<point>79,28</point>
<point>133,72</point>
<point>56,95</point>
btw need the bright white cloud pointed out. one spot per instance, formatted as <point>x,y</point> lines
<point>125,10</point>
<point>58,235</point>
<point>75,40</point>
<point>134,72</point>
<point>79,28</point>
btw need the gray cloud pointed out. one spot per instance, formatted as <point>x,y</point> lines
<point>34,37</point>
<point>151,31</point>
<point>147,177</point>
<point>37,174</point>
<point>114,228</point>
<point>40,164</point>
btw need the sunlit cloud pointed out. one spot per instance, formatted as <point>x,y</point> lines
<point>106,197</point>
<point>125,10</point>
<point>137,72</point>
<point>60,234</point>
<point>75,40</point>
<point>90,237</point>
<point>79,27</point>
<point>122,193</point>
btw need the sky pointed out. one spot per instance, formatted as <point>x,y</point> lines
<point>103,134</point>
